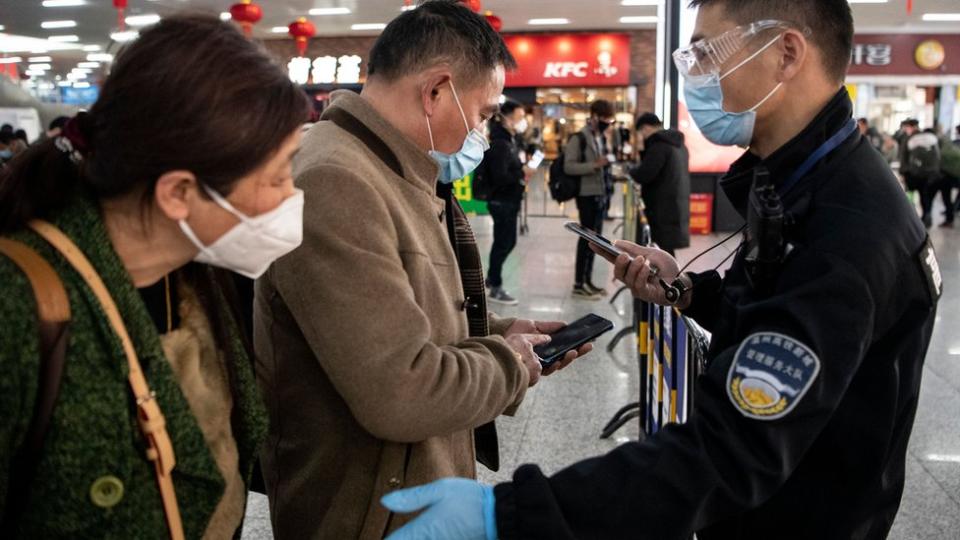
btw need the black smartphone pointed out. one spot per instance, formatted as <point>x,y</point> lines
<point>572,337</point>
<point>594,238</point>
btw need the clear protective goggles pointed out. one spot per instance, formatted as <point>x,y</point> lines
<point>707,56</point>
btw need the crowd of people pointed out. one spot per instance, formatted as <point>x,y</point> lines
<point>360,387</point>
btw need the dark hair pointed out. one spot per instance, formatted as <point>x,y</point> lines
<point>21,134</point>
<point>863,121</point>
<point>830,21</point>
<point>58,122</point>
<point>601,108</point>
<point>912,122</point>
<point>648,119</point>
<point>509,106</point>
<point>436,32</point>
<point>179,81</point>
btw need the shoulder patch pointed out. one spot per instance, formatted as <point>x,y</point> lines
<point>770,374</point>
<point>931,270</point>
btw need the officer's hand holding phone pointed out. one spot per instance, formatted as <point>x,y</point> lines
<point>641,269</point>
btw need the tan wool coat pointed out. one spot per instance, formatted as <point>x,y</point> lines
<point>370,378</point>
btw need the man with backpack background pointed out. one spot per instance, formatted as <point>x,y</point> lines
<point>950,169</point>
<point>501,180</point>
<point>586,157</point>
<point>920,167</point>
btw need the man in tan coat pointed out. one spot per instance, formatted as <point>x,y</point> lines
<point>376,355</point>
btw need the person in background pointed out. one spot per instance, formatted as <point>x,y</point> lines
<point>153,217</point>
<point>920,165</point>
<point>19,142</point>
<point>6,129</point>
<point>379,361</point>
<point>664,177</point>
<point>505,175</point>
<point>6,150</point>
<point>871,134</point>
<point>591,166</point>
<point>56,126</point>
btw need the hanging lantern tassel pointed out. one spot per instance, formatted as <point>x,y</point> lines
<point>246,14</point>
<point>494,21</point>
<point>909,7</point>
<point>302,30</point>
<point>121,5</point>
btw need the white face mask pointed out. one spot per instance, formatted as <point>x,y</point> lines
<point>251,246</point>
<point>521,126</point>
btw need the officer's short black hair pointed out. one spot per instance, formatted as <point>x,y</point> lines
<point>508,107</point>
<point>438,32</point>
<point>830,21</point>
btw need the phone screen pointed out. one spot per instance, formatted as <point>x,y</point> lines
<point>593,238</point>
<point>572,336</point>
<point>536,160</point>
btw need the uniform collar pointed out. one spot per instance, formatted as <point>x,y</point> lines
<point>786,159</point>
<point>418,167</point>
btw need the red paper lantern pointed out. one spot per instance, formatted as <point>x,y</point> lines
<point>494,21</point>
<point>246,14</point>
<point>120,5</point>
<point>472,4</point>
<point>302,30</point>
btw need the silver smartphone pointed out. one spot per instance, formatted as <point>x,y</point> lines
<point>594,238</point>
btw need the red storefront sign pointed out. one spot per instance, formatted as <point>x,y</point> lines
<point>10,70</point>
<point>569,60</point>
<point>897,54</point>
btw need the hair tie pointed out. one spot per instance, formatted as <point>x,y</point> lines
<point>77,132</point>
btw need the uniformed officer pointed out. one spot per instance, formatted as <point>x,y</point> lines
<point>820,327</point>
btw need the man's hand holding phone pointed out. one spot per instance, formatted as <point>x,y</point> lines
<point>533,334</point>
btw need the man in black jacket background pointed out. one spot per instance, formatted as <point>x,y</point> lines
<point>505,177</point>
<point>664,177</point>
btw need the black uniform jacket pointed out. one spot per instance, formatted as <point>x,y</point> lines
<point>665,177</point>
<point>855,304</point>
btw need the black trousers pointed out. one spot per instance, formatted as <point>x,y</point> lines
<point>591,217</point>
<point>927,195</point>
<point>947,185</point>
<point>504,214</point>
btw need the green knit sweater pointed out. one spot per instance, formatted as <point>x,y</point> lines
<point>93,433</point>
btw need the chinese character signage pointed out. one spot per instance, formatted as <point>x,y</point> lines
<point>325,69</point>
<point>569,60</point>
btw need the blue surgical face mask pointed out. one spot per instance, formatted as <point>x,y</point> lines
<point>704,97</point>
<point>456,166</point>
<point>6,154</point>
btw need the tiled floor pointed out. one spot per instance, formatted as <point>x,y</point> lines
<point>561,418</point>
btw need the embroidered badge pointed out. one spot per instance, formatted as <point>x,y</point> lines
<point>770,374</point>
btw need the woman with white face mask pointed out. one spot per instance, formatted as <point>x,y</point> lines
<point>139,417</point>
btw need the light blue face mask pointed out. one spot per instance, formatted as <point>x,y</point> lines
<point>6,154</point>
<point>456,166</point>
<point>704,97</point>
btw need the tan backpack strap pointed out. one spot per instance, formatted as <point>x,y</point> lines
<point>52,302</point>
<point>152,423</point>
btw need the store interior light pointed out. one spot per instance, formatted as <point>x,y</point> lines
<point>225,16</point>
<point>368,26</point>
<point>58,24</point>
<point>63,3</point>
<point>279,29</point>
<point>11,60</point>
<point>411,7</point>
<point>548,22</point>
<point>142,20</point>
<point>330,11</point>
<point>100,57</point>
<point>35,72</point>
<point>941,17</point>
<point>641,19</point>
<point>65,39</point>
<point>64,83</point>
<point>88,65</point>
<point>42,67</point>
<point>91,48</point>
<point>35,59</point>
<point>123,37</point>
<point>85,71</point>
<point>76,76</point>
<point>81,84</point>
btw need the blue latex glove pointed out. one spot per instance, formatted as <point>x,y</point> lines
<point>456,509</point>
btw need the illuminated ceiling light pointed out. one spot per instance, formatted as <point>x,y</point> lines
<point>64,83</point>
<point>368,26</point>
<point>40,59</point>
<point>279,29</point>
<point>545,22</point>
<point>225,16</point>
<point>76,76</point>
<point>100,57</point>
<point>641,19</point>
<point>11,60</point>
<point>123,37</point>
<point>81,84</point>
<point>142,20</point>
<point>89,65</point>
<point>2,28</point>
<point>58,24</point>
<point>85,71</point>
<point>91,48</point>
<point>65,39</point>
<point>63,3</point>
<point>35,72</point>
<point>43,67</point>
<point>408,8</point>
<point>941,17</point>
<point>330,11</point>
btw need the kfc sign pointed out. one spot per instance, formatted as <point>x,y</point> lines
<point>569,60</point>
